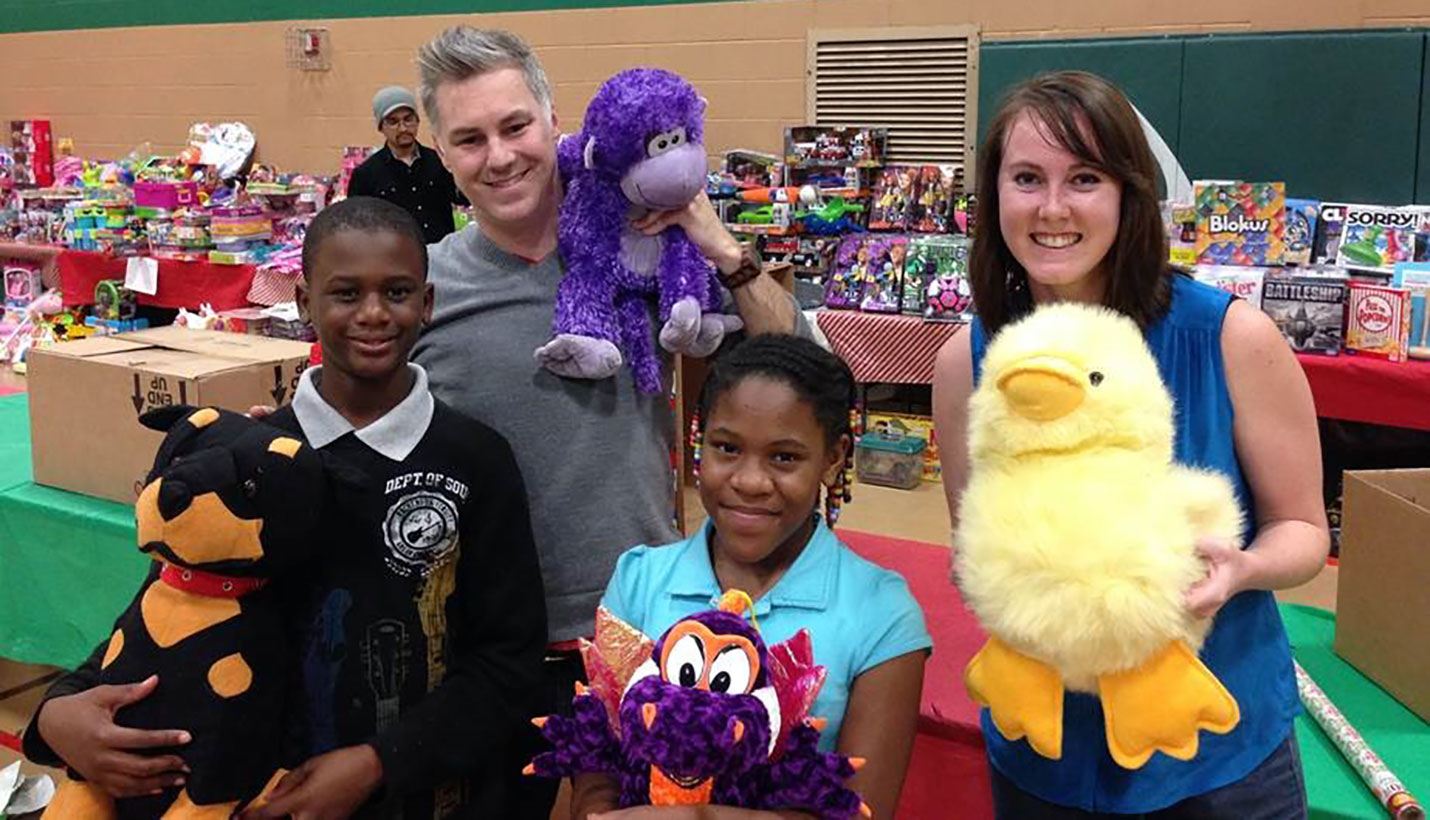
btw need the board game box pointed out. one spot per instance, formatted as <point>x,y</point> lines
<point>1308,308</point>
<point>1240,223</point>
<point>1300,231</point>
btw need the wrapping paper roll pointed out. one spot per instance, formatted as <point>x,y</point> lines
<point>1382,782</point>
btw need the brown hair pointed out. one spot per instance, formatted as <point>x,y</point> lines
<point>1092,119</point>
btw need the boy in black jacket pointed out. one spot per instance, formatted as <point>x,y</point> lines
<point>424,625</point>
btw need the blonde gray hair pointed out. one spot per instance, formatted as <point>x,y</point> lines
<point>462,52</point>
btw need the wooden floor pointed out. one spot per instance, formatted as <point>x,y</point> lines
<point>919,515</point>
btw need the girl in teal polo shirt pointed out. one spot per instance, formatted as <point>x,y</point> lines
<point>772,431</point>
<point>1067,211</point>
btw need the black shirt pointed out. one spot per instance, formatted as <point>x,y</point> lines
<point>430,657</point>
<point>421,630</point>
<point>424,188</point>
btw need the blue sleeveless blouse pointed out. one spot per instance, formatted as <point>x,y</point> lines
<point>1247,646</point>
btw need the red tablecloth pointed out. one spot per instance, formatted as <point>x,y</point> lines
<point>901,350</point>
<point>181,284</point>
<point>1370,390</point>
<point>948,751</point>
<point>884,347</point>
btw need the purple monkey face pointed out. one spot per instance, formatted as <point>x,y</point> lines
<point>671,175</point>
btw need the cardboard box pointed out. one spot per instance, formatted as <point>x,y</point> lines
<point>1384,562</point>
<point>86,397</point>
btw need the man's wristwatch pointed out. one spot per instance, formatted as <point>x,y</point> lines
<point>750,268</point>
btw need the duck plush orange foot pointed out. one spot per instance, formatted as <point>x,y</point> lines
<point>1076,540</point>
<point>230,504</point>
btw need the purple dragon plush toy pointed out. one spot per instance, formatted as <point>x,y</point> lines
<point>705,714</point>
<point>639,150</point>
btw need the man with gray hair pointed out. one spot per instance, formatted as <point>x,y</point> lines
<point>595,454</point>
<point>404,171</point>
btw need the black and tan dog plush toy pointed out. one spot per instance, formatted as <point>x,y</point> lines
<point>231,504</point>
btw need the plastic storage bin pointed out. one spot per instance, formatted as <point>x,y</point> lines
<point>890,460</point>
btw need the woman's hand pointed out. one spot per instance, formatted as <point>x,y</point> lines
<point>1228,567</point>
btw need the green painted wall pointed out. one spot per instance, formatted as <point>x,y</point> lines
<point>49,15</point>
<point>1422,181</point>
<point>1337,115</point>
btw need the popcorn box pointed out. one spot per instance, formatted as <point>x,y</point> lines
<point>1378,321</point>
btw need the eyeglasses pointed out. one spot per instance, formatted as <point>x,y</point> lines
<point>404,121</point>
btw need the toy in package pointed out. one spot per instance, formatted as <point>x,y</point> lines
<point>1329,228</point>
<point>907,425</point>
<point>23,284</point>
<point>844,289</point>
<point>32,153</point>
<point>884,274</point>
<point>1240,223</point>
<point>1180,220</point>
<point>894,192</point>
<point>1308,308</point>
<point>932,211</point>
<point>1422,236</point>
<point>1415,277</point>
<point>837,145</point>
<point>1244,283</point>
<point>942,264</point>
<point>1378,321</point>
<point>1300,231</point>
<point>114,302</point>
<point>1376,238</point>
<point>920,266</point>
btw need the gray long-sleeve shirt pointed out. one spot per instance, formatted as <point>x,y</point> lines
<point>595,455</point>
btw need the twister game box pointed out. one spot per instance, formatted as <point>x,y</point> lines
<point>1240,223</point>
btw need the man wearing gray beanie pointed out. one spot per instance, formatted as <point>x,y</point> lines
<point>404,171</point>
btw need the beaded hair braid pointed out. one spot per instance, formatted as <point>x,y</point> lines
<point>818,376</point>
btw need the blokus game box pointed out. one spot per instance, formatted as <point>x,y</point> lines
<point>1309,308</point>
<point>1240,223</point>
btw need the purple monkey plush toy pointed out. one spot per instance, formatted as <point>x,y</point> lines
<point>639,150</point>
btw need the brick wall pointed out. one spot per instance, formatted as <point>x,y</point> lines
<point>111,89</point>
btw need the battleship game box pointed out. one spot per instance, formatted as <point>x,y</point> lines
<point>1309,309</point>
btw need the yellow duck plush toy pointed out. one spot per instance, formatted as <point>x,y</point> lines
<point>1076,540</point>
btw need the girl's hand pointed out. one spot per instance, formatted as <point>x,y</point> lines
<point>326,787</point>
<point>1227,570</point>
<point>80,728</point>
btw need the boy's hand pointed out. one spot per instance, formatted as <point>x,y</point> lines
<point>80,728</point>
<point>258,411</point>
<point>326,787</point>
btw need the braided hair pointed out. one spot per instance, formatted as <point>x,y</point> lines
<point>817,376</point>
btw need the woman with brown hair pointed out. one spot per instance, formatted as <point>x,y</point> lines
<point>1068,211</point>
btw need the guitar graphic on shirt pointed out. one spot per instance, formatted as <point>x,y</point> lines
<point>384,658</point>
<point>384,655</point>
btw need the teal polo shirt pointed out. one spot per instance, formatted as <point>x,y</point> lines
<point>858,614</point>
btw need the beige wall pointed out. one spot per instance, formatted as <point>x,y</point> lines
<point>114,88</point>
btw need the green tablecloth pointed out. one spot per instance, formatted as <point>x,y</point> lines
<point>1395,733</point>
<point>68,562</point>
